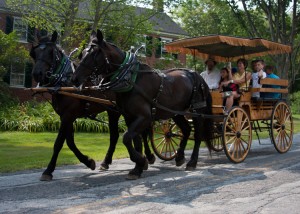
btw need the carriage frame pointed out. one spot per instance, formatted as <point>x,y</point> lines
<point>233,133</point>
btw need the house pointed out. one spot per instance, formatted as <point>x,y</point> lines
<point>19,75</point>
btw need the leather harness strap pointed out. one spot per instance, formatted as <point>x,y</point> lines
<point>184,113</point>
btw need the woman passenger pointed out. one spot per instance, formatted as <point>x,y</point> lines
<point>241,78</point>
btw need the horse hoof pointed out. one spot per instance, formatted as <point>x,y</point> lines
<point>92,165</point>
<point>45,177</point>
<point>104,166</point>
<point>145,165</point>
<point>152,159</point>
<point>190,168</point>
<point>132,177</point>
<point>180,162</point>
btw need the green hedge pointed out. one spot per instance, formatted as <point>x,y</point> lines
<point>39,117</point>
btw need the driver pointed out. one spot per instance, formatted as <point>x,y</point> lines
<point>211,75</point>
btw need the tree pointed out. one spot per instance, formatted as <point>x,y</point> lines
<point>203,17</point>
<point>206,17</point>
<point>120,21</point>
<point>279,22</point>
<point>9,51</point>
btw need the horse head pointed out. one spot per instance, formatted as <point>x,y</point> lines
<point>99,58</point>
<point>51,64</point>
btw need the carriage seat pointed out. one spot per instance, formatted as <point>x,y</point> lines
<point>267,82</point>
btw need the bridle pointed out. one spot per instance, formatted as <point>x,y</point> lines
<point>105,67</point>
<point>59,66</point>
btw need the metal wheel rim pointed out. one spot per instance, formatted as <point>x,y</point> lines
<point>282,127</point>
<point>237,135</point>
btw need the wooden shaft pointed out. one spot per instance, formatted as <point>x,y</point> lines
<point>84,97</point>
<point>42,89</point>
<point>67,92</point>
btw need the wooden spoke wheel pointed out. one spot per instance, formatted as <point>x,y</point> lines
<point>217,138</point>
<point>237,135</point>
<point>282,127</point>
<point>165,140</point>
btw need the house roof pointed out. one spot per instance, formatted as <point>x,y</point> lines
<point>161,22</point>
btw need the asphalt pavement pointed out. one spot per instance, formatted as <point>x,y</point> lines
<point>266,182</point>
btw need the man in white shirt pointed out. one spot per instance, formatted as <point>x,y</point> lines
<point>258,74</point>
<point>211,75</point>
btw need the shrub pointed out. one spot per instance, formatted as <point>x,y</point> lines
<point>38,117</point>
<point>295,102</point>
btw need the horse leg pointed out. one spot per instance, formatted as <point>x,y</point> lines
<point>198,126</point>
<point>59,142</point>
<point>150,156</point>
<point>90,163</point>
<point>185,128</point>
<point>138,146</point>
<point>113,119</point>
<point>134,155</point>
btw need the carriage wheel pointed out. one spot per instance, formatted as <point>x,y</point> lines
<point>237,135</point>
<point>217,138</point>
<point>282,127</point>
<point>165,140</point>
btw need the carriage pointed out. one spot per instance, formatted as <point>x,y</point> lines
<point>233,133</point>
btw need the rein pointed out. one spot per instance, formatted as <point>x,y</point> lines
<point>184,113</point>
<point>123,80</point>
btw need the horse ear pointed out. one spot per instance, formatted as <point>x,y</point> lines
<point>99,36</point>
<point>54,36</point>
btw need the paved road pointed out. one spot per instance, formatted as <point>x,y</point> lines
<point>267,182</point>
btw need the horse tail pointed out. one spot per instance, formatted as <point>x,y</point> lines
<point>207,120</point>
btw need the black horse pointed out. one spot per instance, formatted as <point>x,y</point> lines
<point>145,95</point>
<point>53,68</point>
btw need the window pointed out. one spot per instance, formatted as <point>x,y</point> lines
<point>21,27</point>
<point>17,73</point>
<point>164,52</point>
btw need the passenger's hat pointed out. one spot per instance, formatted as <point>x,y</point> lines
<point>210,58</point>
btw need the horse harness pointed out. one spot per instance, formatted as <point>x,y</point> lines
<point>59,71</point>
<point>123,80</point>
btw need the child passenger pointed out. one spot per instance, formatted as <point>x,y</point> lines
<point>225,78</point>
<point>228,88</point>
<point>257,75</point>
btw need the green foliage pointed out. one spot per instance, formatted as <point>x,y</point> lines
<point>168,61</point>
<point>39,117</point>
<point>295,102</point>
<point>117,19</point>
<point>208,17</point>
<point>6,99</point>
<point>10,50</point>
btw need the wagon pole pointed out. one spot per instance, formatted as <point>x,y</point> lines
<point>47,89</point>
<point>67,91</point>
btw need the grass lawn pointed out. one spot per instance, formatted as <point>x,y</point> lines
<point>23,150</point>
